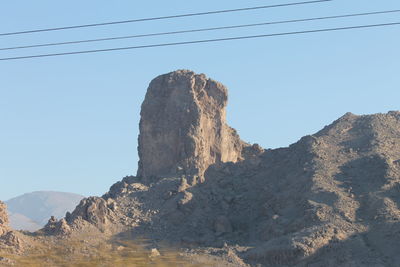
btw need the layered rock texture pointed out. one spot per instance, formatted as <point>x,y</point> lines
<point>330,199</point>
<point>183,127</point>
<point>3,218</point>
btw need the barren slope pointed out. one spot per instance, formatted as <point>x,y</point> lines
<point>331,199</point>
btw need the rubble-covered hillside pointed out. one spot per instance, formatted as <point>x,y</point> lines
<point>331,199</point>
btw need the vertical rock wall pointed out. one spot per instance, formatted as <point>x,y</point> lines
<point>183,126</point>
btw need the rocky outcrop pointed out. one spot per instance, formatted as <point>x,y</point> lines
<point>55,226</point>
<point>3,219</point>
<point>8,237</point>
<point>319,202</point>
<point>95,212</point>
<point>330,199</point>
<point>183,131</point>
<point>183,127</point>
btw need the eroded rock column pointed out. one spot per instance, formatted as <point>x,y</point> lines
<point>183,126</point>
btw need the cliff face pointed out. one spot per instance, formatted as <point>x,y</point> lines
<point>183,127</point>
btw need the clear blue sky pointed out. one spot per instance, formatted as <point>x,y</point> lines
<point>71,123</point>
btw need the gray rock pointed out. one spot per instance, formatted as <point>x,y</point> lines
<point>330,199</point>
<point>222,225</point>
<point>3,218</point>
<point>183,127</point>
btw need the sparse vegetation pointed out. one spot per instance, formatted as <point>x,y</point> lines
<point>81,253</point>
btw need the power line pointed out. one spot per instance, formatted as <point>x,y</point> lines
<point>199,30</point>
<point>203,41</point>
<point>164,17</point>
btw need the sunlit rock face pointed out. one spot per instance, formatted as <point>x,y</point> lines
<point>8,237</point>
<point>3,219</point>
<point>183,127</point>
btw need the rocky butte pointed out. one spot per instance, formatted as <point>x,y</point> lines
<point>183,127</point>
<point>330,199</point>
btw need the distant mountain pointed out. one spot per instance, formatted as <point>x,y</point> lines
<point>31,211</point>
<point>21,222</point>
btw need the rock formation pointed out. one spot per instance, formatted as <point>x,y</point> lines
<point>330,199</point>
<point>93,212</point>
<point>183,127</point>
<point>8,237</point>
<point>3,219</point>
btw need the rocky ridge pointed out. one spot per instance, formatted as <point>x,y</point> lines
<point>330,199</point>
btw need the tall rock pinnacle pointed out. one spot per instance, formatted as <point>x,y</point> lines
<point>183,126</point>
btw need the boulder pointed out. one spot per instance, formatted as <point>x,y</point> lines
<point>95,210</point>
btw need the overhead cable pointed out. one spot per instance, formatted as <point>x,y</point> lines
<point>164,17</point>
<point>203,41</point>
<point>198,30</point>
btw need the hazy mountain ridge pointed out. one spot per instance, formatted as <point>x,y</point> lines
<point>31,211</point>
<point>21,222</point>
